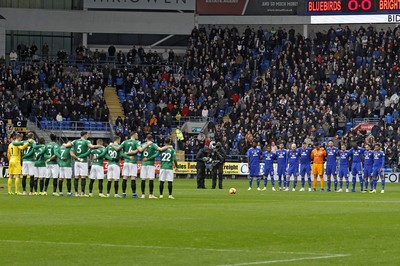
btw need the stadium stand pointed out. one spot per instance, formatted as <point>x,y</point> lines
<point>260,85</point>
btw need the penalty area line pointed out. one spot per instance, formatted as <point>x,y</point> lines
<point>150,247</point>
<point>287,260</point>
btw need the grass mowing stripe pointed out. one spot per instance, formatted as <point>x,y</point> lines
<point>287,260</point>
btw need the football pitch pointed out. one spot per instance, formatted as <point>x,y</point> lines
<point>203,227</point>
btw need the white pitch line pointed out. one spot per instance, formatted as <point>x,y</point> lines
<point>288,260</point>
<point>149,247</point>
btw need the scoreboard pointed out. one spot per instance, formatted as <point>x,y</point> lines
<point>353,11</point>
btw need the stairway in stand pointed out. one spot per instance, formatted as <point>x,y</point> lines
<point>113,103</point>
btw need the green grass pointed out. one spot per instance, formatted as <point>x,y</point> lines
<point>203,227</point>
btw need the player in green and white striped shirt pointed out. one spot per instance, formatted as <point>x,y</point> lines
<point>148,169</point>
<point>97,170</point>
<point>131,147</point>
<point>168,163</point>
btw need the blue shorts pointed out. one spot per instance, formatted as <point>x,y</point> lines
<point>281,171</point>
<point>293,170</point>
<point>269,172</point>
<point>367,171</point>
<point>344,172</point>
<point>254,170</point>
<point>330,170</point>
<point>376,171</point>
<point>305,169</point>
<point>356,168</point>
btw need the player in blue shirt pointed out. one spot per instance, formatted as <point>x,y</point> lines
<point>356,167</point>
<point>377,168</point>
<point>344,156</point>
<point>281,156</point>
<point>331,165</point>
<point>368,163</point>
<point>254,159</point>
<point>305,166</point>
<point>293,167</point>
<point>268,158</point>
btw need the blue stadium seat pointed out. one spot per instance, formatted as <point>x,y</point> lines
<point>349,125</point>
<point>86,125</point>
<point>340,133</point>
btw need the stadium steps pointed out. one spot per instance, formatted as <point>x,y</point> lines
<point>180,155</point>
<point>31,126</point>
<point>113,103</point>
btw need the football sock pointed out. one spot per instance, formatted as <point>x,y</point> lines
<point>309,182</point>
<point>265,181</point>
<point>322,182</point>
<point>23,183</point>
<point>280,181</point>
<point>133,186</point>
<point>353,182</point>
<point>83,184</point>
<point>60,184</point>
<point>76,184</point>
<point>303,182</point>
<point>35,184</point>
<point>91,184</point>
<point>17,184</point>
<point>31,183</point>
<point>361,183</point>
<point>69,185</point>
<point>383,183</point>
<point>9,185</point>
<point>109,183</point>
<point>55,185</point>
<point>287,183</point>
<point>366,183</point>
<point>250,181</point>
<point>170,188</point>
<point>151,186</point>
<point>315,182</point>
<point>143,186</point>
<point>100,185</point>
<point>335,183</point>
<point>116,186</point>
<point>284,180</point>
<point>341,184</point>
<point>46,184</point>
<point>161,187</point>
<point>295,183</point>
<point>347,184</point>
<point>258,181</point>
<point>329,182</point>
<point>41,185</point>
<point>124,185</point>
<point>272,181</point>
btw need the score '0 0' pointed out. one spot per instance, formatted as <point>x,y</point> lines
<point>364,5</point>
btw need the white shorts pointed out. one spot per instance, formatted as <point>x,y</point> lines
<point>113,172</point>
<point>28,168</point>
<point>97,172</point>
<point>81,169</point>
<point>147,172</point>
<point>53,171</point>
<point>41,172</point>
<point>129,169</point>
<point>166,175</point>
<point>66,172</point>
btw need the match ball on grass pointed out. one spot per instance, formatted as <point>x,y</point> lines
<point>232,190</point>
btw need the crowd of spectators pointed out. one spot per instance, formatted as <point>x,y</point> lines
<point>273,85</point>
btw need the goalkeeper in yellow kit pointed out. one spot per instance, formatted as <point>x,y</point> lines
<point>14,162</point>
